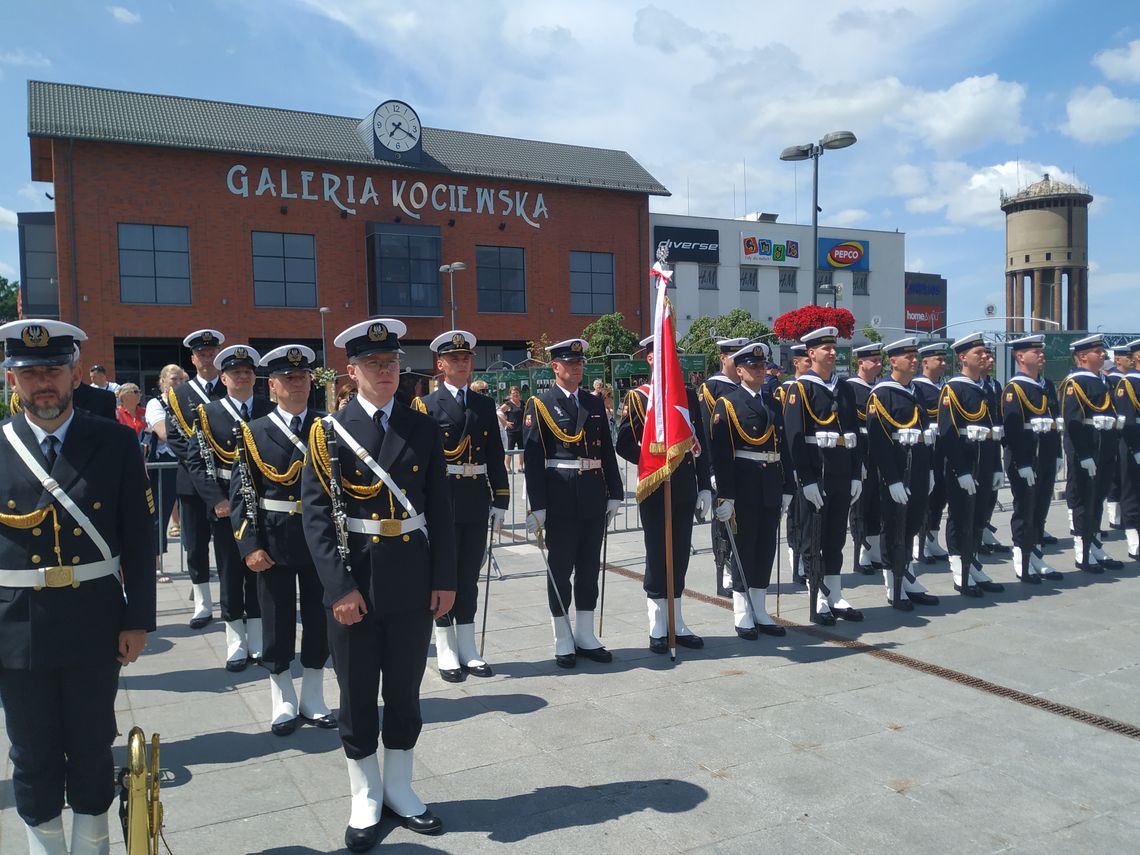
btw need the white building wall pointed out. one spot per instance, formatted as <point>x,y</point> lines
<point>884,300</point>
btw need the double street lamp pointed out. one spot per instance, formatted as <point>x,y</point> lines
<point>451,270</point>
<point>833,140</point>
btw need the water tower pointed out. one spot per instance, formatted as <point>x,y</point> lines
<point>1047,242</point>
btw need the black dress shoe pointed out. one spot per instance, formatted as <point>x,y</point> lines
<point>361,839</point>
<point>1111,563</point>
<point>866,569</point>
<point>1030,579</point>
<point>1133,556</point>
<point>597,654</point>
<point>452,675</point>
<point>426,823</point>
<point>903,605</point>
<point>802,580</point>
<point>991,587</point>
<point>848,614</point>
<point>723,592</point>
<point>199,622</point>
<point>1001,548</point>
<point>748,633</point>
<point>823,619</point>
<point>1053,575</point>
<point>693,642</point>
<point>772,629</point>
<point>921,599</point>
<point>284,728</point>
<point>236,665</point>
<point>984,549</point>
<point>324,722</point>
<point>1095,569</point>
<point>658,645</point>
<point>566,660</point>
<point>1048,539</point>
<point>483,670</point>
<point>968,591</point>
<point>1116,526</point>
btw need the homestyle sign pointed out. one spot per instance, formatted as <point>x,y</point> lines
<point>410,197</point>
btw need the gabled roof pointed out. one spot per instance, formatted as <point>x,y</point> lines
<point>62,110</point>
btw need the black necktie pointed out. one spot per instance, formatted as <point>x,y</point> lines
<point>572,406</point>
<point>245,412</point>
<point>379,419</point>
<point>212,389</point>
<point>50,447</point>
<point>459,398</point>
<point>295,424</point>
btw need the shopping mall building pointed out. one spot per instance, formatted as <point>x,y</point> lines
<point>173,214</point>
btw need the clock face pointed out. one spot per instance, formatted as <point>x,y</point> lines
<point>397,126</point>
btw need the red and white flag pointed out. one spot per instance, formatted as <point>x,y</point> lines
<point>668,426</point>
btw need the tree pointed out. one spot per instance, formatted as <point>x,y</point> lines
<point>871,334</point>
<point>607,335</point>
<point>537,351</point>
<point>702,335</point>
<point>9,292</point>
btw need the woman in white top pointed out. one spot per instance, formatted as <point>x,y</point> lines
<point>164,478</point>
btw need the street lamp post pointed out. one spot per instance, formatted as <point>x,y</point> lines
<point>324,345</point>
<point>833,140</point>
<point>451,270</point>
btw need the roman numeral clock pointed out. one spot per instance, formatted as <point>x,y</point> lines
<point>393,132</point>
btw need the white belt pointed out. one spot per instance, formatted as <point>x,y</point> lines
<point>466,469</point>
<point>841,442</point>
<point>279,506</point>
<point>582,464</point>
<point>962,433</point>
<point>224,474</point>
<point>59,576</point>
<point>762,456</point>
<point>921,437</point>
<point>387,528</point>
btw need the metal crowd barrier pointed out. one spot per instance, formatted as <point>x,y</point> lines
<point>158,466</point>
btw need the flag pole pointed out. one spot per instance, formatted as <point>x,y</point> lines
<point>668,497</point>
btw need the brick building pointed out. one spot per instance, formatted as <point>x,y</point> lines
<point>175,213</point>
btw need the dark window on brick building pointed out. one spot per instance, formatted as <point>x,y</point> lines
<point>500,278</point>
<point>403,269</point>
<point>284,270</point>
<point>154,264</point>
<point>591,283</point>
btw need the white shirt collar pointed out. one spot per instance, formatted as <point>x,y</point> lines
<point>371,408</point>
<point>573,394</point>
<point>755,394</point>
<point>454,389</point>
<point>59,433</point>
<point>288,417</point>
<point>237,404</point>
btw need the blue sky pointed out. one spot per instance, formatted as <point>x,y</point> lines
<point>953,101</point>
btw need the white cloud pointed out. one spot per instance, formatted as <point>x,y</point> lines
<point>969,114</point>
<point>7,219</point>
<point>1120,64</point>
<point>847,217</point>
<point>1098,116</point>
<point>28,58</point>
<point>124,15</point>
<point>8,271</point>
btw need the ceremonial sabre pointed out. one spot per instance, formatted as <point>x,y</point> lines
<point>487,585</point>
<point>540,541</point>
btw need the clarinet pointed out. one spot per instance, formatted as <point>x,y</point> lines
<point>336,494</point>
<point>248,491</point>
<point>204,449</point>
<point>171,421</point>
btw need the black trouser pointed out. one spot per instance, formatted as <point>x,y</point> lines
<point>965,513</point>
<point>392,646</point>
<point>574,546</point>
<point>836,507</point>
<point>1023,520</point>
<point>899,527</point>
<point>277,596</point>
<point>196,525</point>
<point>936,504</point>
<point>61,724</point>
<point>720,545</point>
<point>237,583</point>
<point>1107,469</point>
<point>1046,470</point>
<point>756,530</point>
<point>470,551</point>
<point>1129,487</point>
<point>652,512</point>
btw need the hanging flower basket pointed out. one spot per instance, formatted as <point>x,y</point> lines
<point>793,325</point>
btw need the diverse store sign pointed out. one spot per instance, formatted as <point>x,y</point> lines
<point>699,245</point>
<point>350,192</point>
<point>758,249</point>
<point>844,254</point>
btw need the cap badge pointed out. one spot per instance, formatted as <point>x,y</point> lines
<point>576,347</point>
<point>458,340</point>
<point>241,353</point>
<point>207,337</point>
<point>294,356</point>
<point>35,336</point>
<point>377,332</point>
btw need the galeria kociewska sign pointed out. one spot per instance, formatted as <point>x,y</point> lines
<point>409,197</point>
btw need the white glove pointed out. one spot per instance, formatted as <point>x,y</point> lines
<point>611,510</point>
<point>712,478</point>
<point>909,436</point>
<point>1089,465</point>
<point>786,501</point>
<point>977,433</point>
<point>1120,420</point>
<point>850,440</point>
<point>997,432</point>
<point>1060,423</point>
<point>723,510</point>
<point>813,494</point>
<point>704,502</point>
<point>931,487</point>
<point>1136,456</point>
<point>535,521</point>
<point>899,495</point>
<point>856,490</point>
<point>999,479</point>
<point>966,482</point>
<point>931,435</point>
<point>498,515</point>
<point>1027,475</point>
<point>826,439</point>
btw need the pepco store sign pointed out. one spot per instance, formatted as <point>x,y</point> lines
<point>844,254</point>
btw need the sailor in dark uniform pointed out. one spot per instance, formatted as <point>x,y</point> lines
<point>1090,423</point>
<point>477,474</point>
<point>690,494</point>
<point>965,435</point>
<point>756,486</point>
<point>265,514</point>
<point>989,542</point>
<point>796,534</point>
<point>181,403</point>
<point>823,439</point>
<point>77,594</point>
<point>714,387</point>
<point>377,513</point>
<point>901,443</point>
<point>929,387</point>
<point>212,470</point>
<point>1122,363</point>
<point>1027,420</point>
<point>865,515</point>
<point>575,489</point>
<point>1127,399</point>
